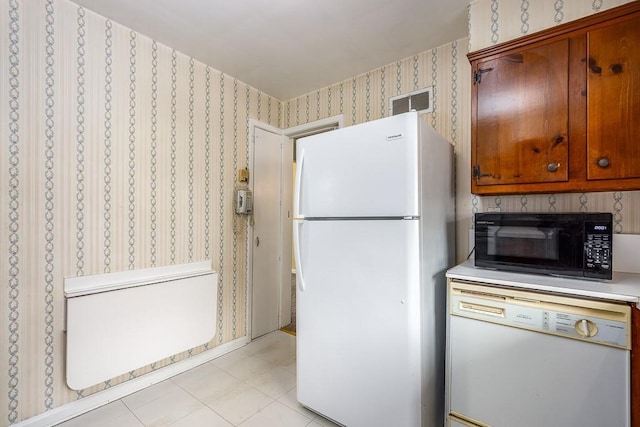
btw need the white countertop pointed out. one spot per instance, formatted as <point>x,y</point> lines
<point>623,287</point>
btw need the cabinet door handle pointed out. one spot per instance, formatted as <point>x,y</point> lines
<point>603,162</point>
<point>552,167</point>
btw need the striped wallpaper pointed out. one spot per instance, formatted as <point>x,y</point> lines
<point>121,153</point>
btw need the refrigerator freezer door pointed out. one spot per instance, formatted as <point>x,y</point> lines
<point>358,324</point>
<point>367,170</point>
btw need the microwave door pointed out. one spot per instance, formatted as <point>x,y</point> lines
<point>526,242</point>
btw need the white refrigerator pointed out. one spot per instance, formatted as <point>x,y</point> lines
<point>373,237</point>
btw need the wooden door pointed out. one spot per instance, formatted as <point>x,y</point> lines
<point>613,112</point>
<point>522,116</point>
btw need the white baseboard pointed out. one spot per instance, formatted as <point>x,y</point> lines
<point>79,407</point>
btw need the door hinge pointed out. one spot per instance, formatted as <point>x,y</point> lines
<point>477,75</point>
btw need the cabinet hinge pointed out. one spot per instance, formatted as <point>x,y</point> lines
<point>477,75</point>
<point>475,172</point>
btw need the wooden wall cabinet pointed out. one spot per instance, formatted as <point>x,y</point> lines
<point>559,110</point>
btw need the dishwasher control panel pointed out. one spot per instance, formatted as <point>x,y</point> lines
<point>595,321</point>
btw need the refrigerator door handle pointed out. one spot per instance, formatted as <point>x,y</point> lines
<point>296,199</point>
<point>296,252</point>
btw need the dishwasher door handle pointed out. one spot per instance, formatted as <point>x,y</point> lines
<point>473,307</point>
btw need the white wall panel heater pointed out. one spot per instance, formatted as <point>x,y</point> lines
<point>118,322</point>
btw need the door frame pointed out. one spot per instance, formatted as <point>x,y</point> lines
<point>287,135</point>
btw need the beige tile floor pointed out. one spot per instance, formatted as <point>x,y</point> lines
<point>254,386</point>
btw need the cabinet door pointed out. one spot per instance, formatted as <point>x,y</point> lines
<point>522,116</point>
<point>613,111</point>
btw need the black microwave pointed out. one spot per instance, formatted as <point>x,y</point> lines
<point>564,244</point>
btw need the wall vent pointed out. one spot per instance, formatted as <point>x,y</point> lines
<point>420,100</point>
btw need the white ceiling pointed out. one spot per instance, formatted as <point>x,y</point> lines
<point>287,48</point>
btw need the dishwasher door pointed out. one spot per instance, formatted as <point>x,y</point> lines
<point>523,359</point>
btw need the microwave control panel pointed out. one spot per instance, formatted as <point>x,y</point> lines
<point>598,258</point>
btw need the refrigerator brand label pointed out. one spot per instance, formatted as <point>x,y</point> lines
<point>395,137</point>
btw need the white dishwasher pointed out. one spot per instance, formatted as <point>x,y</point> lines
<point>521,358</point>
